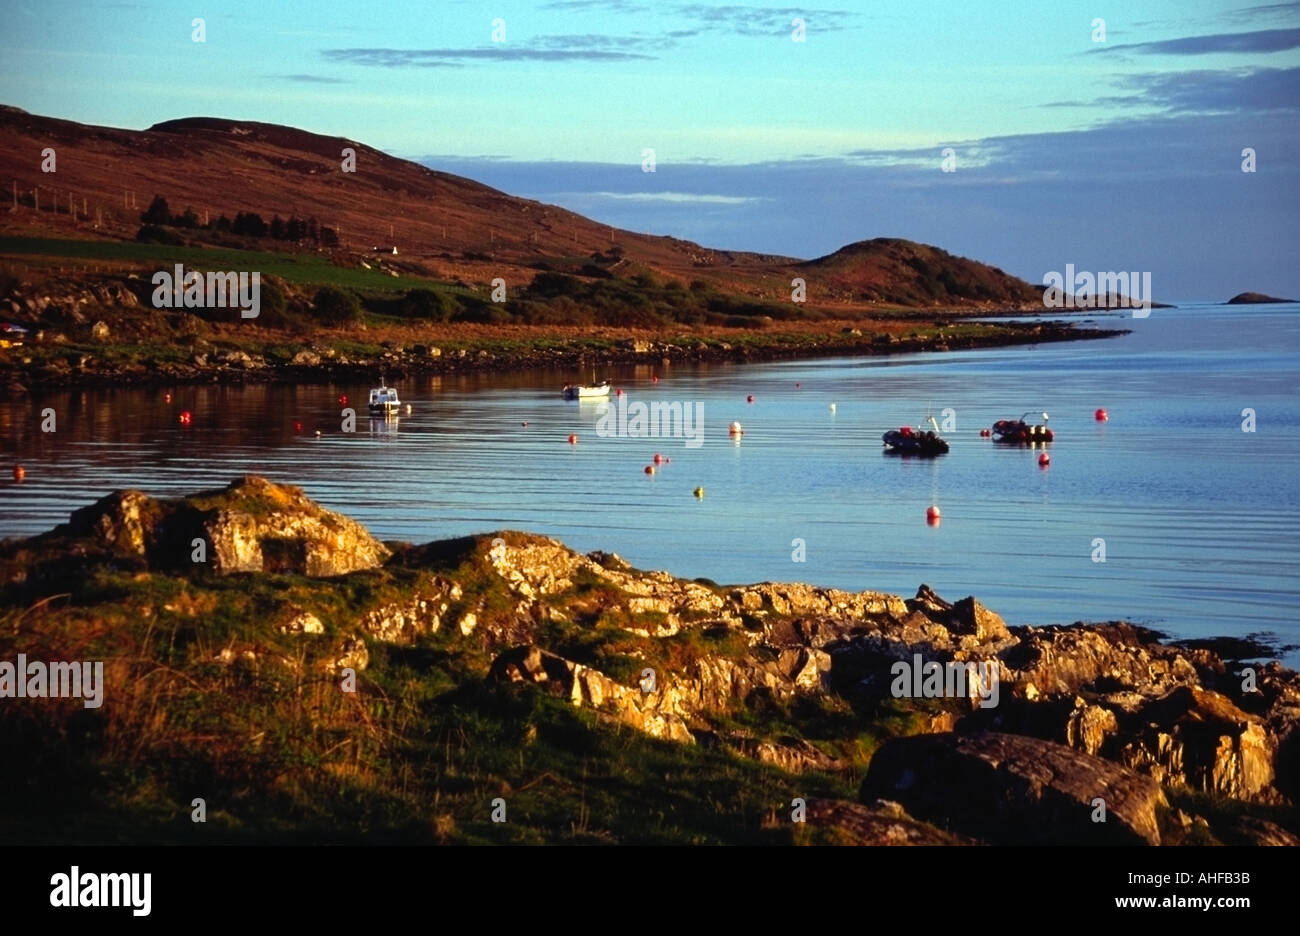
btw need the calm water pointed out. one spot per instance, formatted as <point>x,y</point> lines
<point>1198,517</point>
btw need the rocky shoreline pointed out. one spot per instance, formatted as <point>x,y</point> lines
<point>1098,733</point>
<point>318,363</point>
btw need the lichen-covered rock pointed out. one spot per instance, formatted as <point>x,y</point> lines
<point>1199,738</point>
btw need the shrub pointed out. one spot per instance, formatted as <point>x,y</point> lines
<point>336,307</point>
<point>153,234</point>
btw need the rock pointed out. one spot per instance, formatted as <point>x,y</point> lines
<point>99,331</point>
<point>252,525</point>
<point>303,622</point>
<point>123,522</point>
<point>1251,830</point>
<point>1010,789</point>
<point>1199,738</point>
<point>880,823</point>
<point>649,712</point>
<point>305,358</point>
<point>234,357</point>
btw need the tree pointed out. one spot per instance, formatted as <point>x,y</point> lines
<point>329,237</point>
<point>157,212</point>
<point>277,227</point>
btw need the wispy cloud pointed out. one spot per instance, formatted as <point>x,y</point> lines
<point>1262,40</point>
<point>1265,11</point>
<point>676,198</point>
<point>543,50</point>
<point>761,21</point>
<point>310,79</point>
<point>1206,91</point>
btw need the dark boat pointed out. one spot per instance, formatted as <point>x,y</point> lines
<point>909,441</point>
<point>1019,432</point>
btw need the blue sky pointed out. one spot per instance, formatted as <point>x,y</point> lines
<point>1122,154</point>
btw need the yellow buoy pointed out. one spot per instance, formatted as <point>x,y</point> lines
<point>699,492</point>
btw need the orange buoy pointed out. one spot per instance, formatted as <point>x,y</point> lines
<point>1101,415</point>
<point>19,473</point>
<point>1044,460</point>
<point>573,439</point>
<point>750,398</point>
<point>735,429</point>
<point>649,469</point>
<point>167,397</point>
<point>932,513</point>
<point>658,459</point>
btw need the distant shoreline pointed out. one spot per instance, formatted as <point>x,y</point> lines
<point>229,366</point>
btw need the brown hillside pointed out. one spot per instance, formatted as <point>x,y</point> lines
<point>224,166</point>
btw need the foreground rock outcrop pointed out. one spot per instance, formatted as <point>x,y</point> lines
<point>965,729</point>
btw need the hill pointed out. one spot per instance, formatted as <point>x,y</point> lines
<point>1254,298</point>
<point>458,228</point>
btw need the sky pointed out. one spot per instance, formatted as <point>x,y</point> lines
<point>1107,136</point>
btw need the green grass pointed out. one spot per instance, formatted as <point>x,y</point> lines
<point>302,268</point>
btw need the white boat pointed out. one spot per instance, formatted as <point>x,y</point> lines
<point>586,391</point>
<point>383,400</point>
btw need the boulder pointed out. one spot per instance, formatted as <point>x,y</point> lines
<point>881,822</point>
<point>1011,789</point>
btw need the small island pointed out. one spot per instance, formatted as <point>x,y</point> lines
<point>1252,298</point>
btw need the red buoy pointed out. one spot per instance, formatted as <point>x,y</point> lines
<point>1101,415</point>
<point>19,473</point>
<point>932,513</point>
<point>659,459</point>
<point>297,427</point>
<point>798,385</point>
<point>167,397</point>
<point>654,379</point>
<point>524,424</point>
<point>185,417</point>
<point>573,439</point>
<point>618,392</point>
<point>649,469</point>
<point>985,433</point>
<point>1044,460</point>
<point>750,398</point>
<point>343,399</point>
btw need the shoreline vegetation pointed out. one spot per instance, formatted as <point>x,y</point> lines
<point>95,324</point>
<point>315,685</point>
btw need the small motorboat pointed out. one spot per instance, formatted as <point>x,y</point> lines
<point>908,441</point>
<point>1019,432</point>
<point>384,401</point>
<point>586,391</point>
